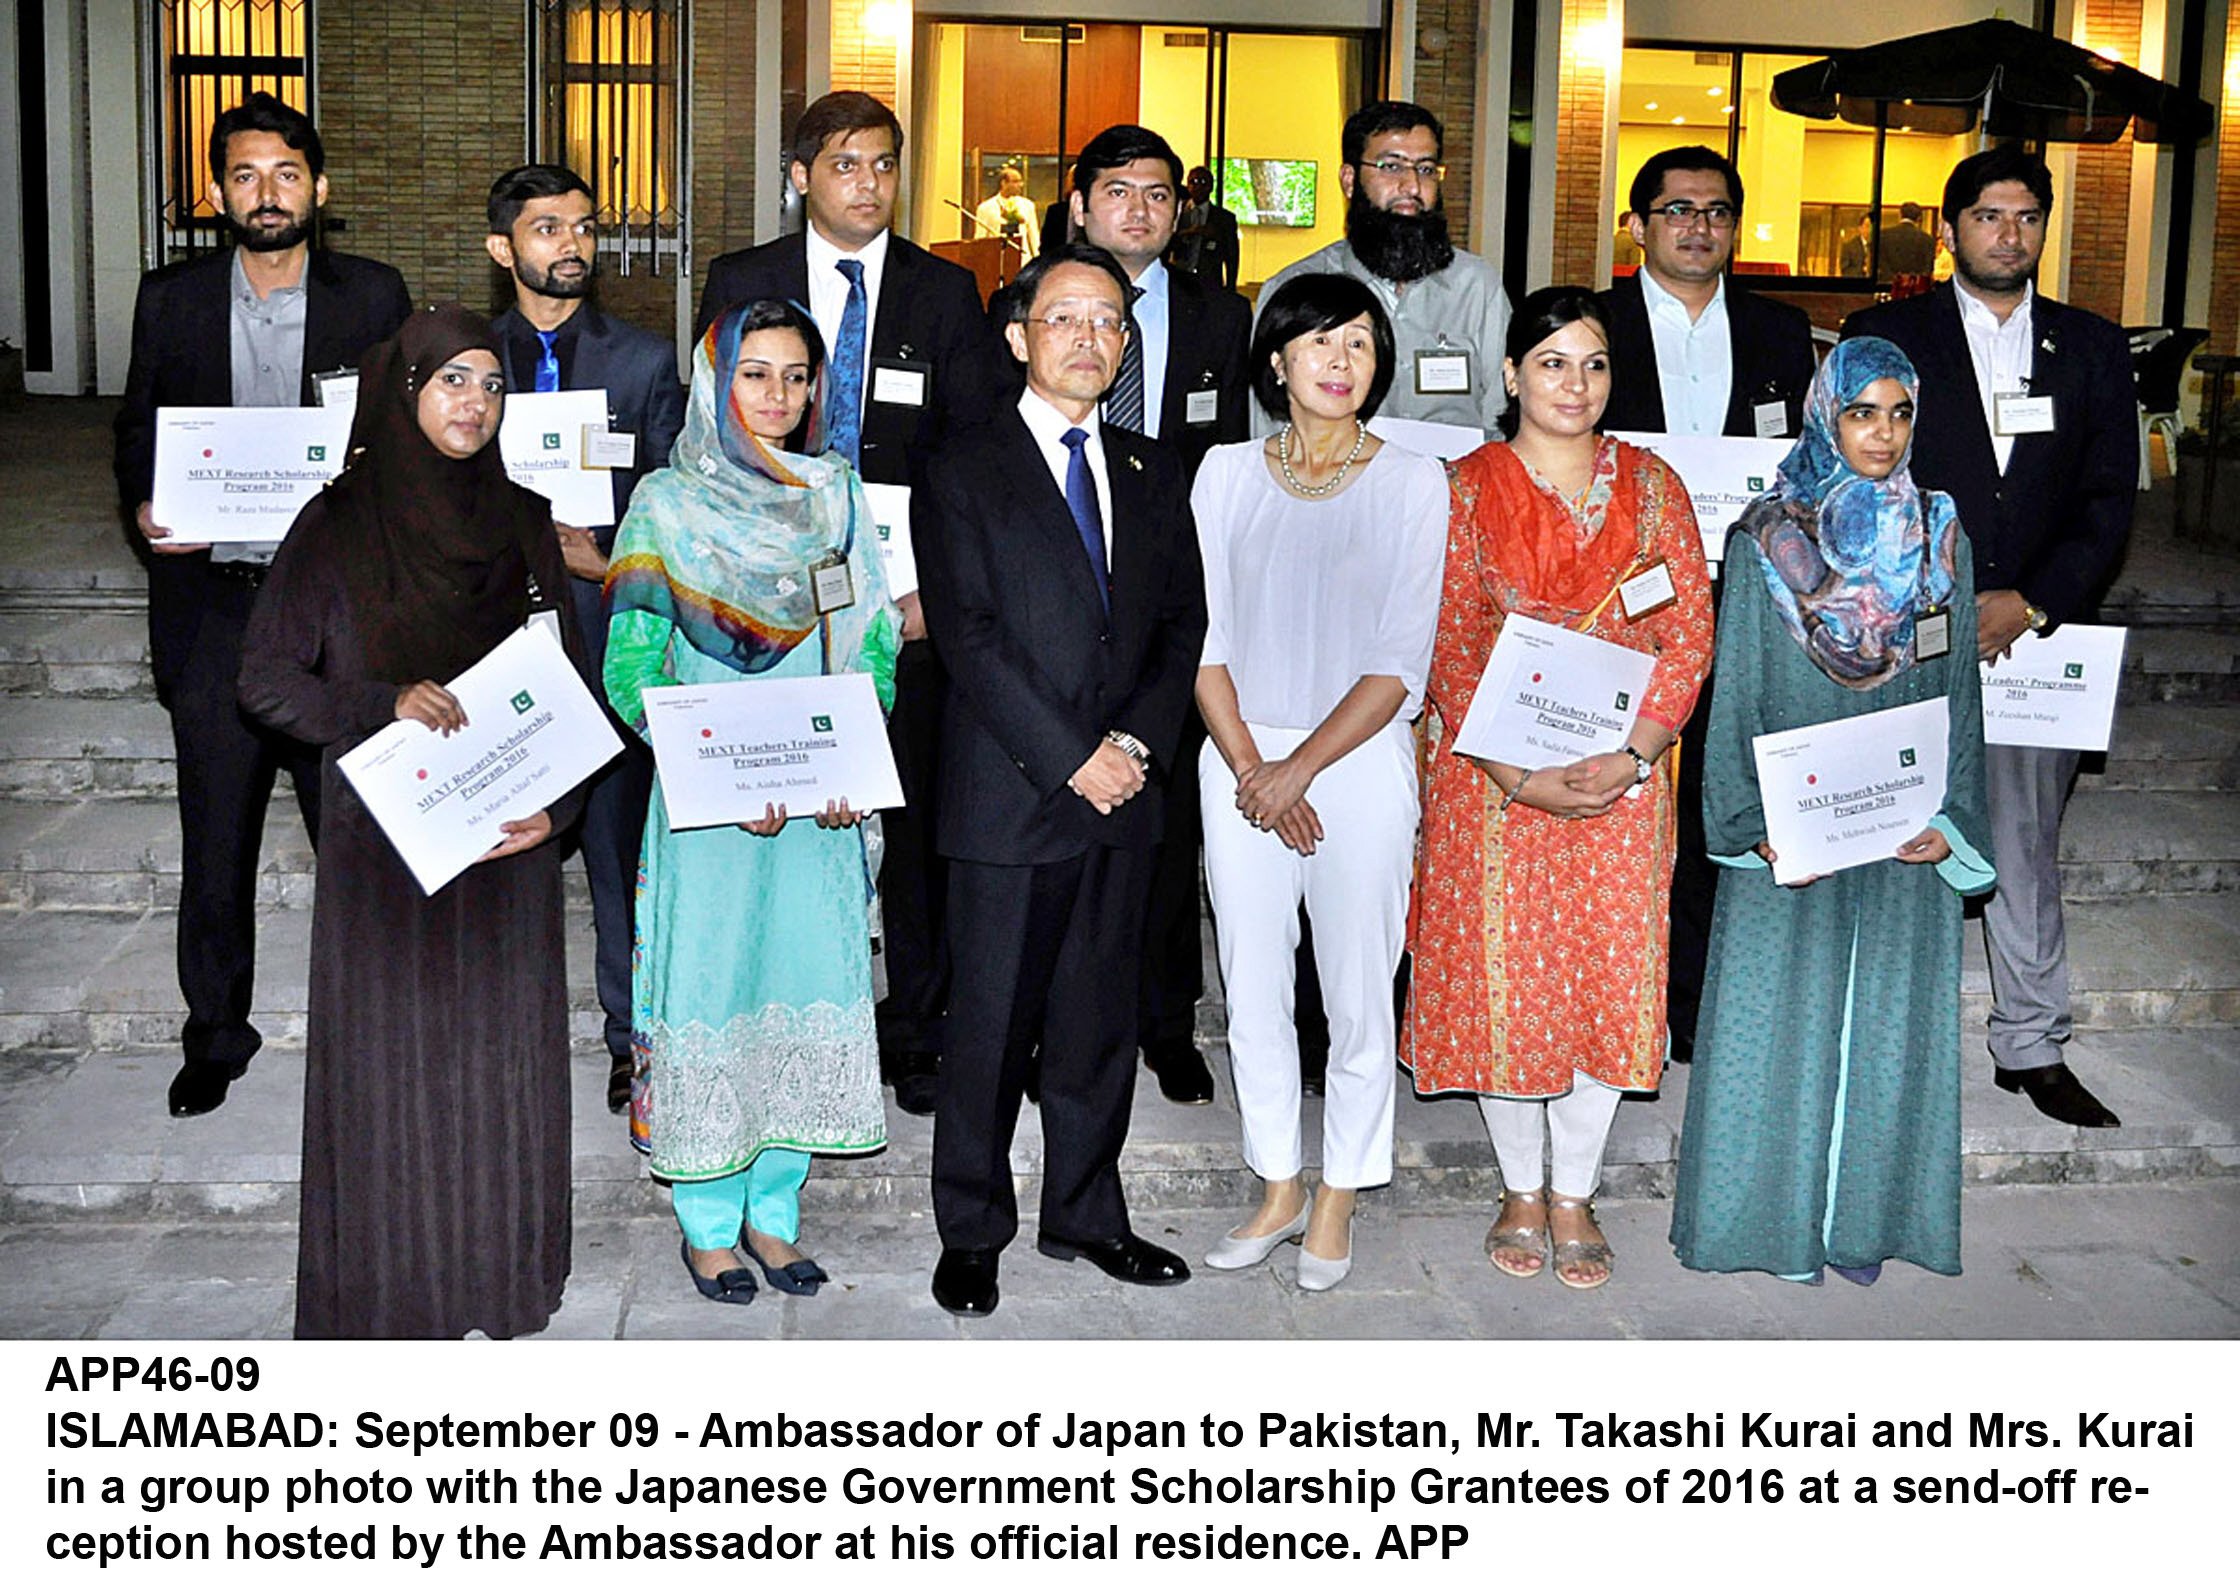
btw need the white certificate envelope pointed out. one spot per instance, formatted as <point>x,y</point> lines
<point>240,474</point>
<point>728,750</point>
<point>542,442</point>
<point>1428,439</point>
<point>533,732</point>
<point>890,511</point>
<point>1851,792</point>
<point>1723,473</point>
<point>2055,690</point>
<point>1550,696</point>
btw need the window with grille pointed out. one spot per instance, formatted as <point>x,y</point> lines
<point>608,107</point>
<point>213,54</point>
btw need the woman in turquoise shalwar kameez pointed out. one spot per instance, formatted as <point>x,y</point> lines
<point>1823,1123</point>
<point>752,981</point>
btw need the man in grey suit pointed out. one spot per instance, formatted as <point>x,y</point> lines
<point>554,338</point>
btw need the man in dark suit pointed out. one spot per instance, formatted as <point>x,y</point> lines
<point>2029,421</point>
<point>925,366</point>
<point>1694,353</point>
<point>1205,234</point>
<point>251,326</point>
<point>1068,683</point>
<point>554,338</point>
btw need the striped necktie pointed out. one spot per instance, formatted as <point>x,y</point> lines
<point>1123,404</point>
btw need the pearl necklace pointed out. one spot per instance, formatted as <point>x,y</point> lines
<point>1283,457</point>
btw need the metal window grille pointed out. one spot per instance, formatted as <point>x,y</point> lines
<point>608,106</point>
<point>212,54</point>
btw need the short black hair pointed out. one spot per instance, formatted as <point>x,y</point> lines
<point>1909,211</point>
<point>2003,162</point>
<point>835,116</point>
<point>1020,294</point>
<point>511,193</point>
<point>1300,307</point>
<point>1386,115</point>
<point>1123,145</point>
<point>261,112</point>
<point>1649,180</point>
<point>1540,316</point>
<point>780,313</point>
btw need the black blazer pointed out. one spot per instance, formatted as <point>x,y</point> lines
<point>1209,336</point>
<point>2054,526</point>
<point>639,371</point>
<point>928,312</point>
<point>182,356</point>
<point>1773,360</point>
<point>1037,672</point>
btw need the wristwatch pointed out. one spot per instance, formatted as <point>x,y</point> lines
<point>2035,616</point>
<point>1131,745</point>
<point>1642,769</point>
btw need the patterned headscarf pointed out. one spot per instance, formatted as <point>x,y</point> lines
<point>1850,561</point>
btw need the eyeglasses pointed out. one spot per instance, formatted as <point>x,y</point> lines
<point>1422,170</point>
<point>1065,324</point>
<point>1681,214</point>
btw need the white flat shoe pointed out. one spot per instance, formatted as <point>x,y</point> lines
<point>1236,1254</point>
<point>1317,1275</point>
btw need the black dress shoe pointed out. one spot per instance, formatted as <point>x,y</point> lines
<point>916,1085</point>
<point>1683,1047</point>
<point>619,1071</point>
<point>1125,1259</point>
<point>201,1086</point>
<point>1181,1071</point>
<point>1314,1062</point>
<point>964,1281</point>
<point>2057,1092</point>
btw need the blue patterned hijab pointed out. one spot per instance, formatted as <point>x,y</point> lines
<point>1850,561</point>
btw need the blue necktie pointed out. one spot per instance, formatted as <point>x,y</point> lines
<point>1081,500</point>
<point>548,366</point>
<point>1123,404</point>
<point>844,419</point>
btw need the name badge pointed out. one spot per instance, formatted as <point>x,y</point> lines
<point>609,448</point>
<point>2013,414</point>
<point>1647,591</point>
<point>546,622</point>
<point>1772,419</point>
<point>1201,407</point>
<point>1442,371</point>
<point>835,586</point>
<point>900,384</point>
<point>336,388</point>
<point>1932,634</point>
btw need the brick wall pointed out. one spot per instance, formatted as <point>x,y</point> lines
<point>1447,86</point>
<point>725,163</point>
<point>1584,84</point>
<point>2100,203</point>
<point>860,61</point>
<point>2224,277</point>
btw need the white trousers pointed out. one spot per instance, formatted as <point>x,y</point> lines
<point>1578,1126</point>
<point>1356,891</point>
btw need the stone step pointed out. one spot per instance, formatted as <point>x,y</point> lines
<point>2169,747</point>
<point>55,749</point>
<point>2134,963</point>
<point>2127,844</point>
<point>2182,663</point>
<point>81,654</point>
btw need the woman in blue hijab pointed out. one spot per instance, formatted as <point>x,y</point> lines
<point>1823,1123</point>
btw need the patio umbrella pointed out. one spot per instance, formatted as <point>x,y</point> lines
<point>2007,80</point>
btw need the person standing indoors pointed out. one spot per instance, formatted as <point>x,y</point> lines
<point>554,338</point>
<point>436,1139</point>
<point>2035,437</point>
<point>1539,927</point>
<point>1823,1125</point>
<point>1063,587</point>
<point>1449,314</point>
<point>1906,248</point>
<point>1322,549</point>
<point>911,364</point>
<point>251,326</point>
<point>1205,233</point>
<point>1009,213</point>
<point>1692,353</point>
<point>754,949</point>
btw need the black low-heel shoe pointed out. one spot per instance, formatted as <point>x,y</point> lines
<point>801,1277</point>
<point>735,1286</point>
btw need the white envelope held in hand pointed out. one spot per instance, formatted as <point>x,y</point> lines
<point>1550,696</point>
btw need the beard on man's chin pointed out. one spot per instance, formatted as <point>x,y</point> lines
<point>552,283</point>
<point>277,239</point>
<point>1398,247</point>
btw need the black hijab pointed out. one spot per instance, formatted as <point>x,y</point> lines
<point>440,548</point>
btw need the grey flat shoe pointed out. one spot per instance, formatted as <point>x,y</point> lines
<point>1317,1275</point>
<point>1237,1254</point>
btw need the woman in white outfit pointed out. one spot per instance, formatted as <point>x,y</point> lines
<point>1323,549</point>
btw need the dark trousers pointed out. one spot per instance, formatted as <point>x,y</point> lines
<point>911,875</point>
<point>1174,956</point>
<point>226,767</point>
<point>1695,882</point>
<point>613,829</point>
<point>1045,956</point>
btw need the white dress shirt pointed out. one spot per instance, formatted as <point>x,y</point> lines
<point>1695,359</point>
<point>1049,426</point>
<point>2001,354</point>
<point>828,292</point>
<point>1154,313</point>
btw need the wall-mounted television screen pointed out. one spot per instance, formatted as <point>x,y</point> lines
<point>1269,192</point>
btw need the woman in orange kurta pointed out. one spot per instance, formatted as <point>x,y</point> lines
<point>1541,900</point>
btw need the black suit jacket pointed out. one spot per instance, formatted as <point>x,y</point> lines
<point>928,312</point>
<point>639,372</point>
<point>1038,672</point>
<point>2054,525</point>
<point>182,356</point>
<point>1772,345</point>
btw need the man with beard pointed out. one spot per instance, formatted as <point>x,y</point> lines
<point>1449,314</point>
<point>2028,420</point>
<point>554,338</point>
<point>250,326</point>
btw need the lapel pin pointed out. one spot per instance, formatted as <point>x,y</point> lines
<point>1136,463</point>
<point>2045,344</point>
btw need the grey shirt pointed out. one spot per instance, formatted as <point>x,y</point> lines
<point>267,352</point>
<point>1460,309</point>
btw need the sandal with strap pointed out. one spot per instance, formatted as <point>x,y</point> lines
<point>1528,1241</point>
<point>1581,1263</point>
